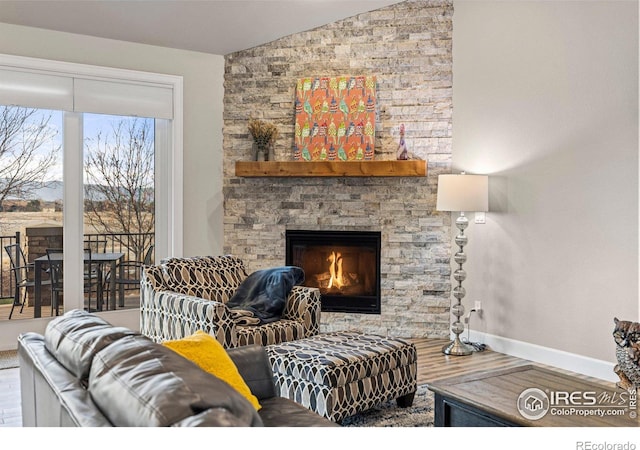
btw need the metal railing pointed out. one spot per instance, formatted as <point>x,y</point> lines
<point>133,245</point>
<point>7,281</point>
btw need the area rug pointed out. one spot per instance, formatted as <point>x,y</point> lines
<point>388,414</point>
<point>8,359</point>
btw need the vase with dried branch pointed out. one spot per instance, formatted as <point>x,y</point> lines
<point>264,136</point>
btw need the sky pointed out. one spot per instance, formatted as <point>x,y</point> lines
<point>93,123</point>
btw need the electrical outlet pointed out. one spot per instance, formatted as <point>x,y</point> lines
<point>478,306</point>
<point>480,217</point>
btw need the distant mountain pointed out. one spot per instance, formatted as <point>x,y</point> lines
<point>51,192</point>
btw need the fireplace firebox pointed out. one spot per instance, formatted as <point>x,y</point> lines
<point>344,265</point>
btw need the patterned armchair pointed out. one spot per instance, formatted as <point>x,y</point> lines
<point>182,295</point>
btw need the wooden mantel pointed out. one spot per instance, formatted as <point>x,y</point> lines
<point>410,168</point>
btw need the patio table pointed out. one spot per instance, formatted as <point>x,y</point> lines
<point>99,259</point>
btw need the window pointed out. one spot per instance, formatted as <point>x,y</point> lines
<point>90,107</point>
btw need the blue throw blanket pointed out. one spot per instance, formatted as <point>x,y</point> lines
<point>262,296</point>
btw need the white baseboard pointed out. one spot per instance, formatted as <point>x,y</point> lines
<point>544,355</point>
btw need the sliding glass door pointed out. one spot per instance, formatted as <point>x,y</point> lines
<point>119,207</point>
<point>31,201</point>
<point>90,161</point>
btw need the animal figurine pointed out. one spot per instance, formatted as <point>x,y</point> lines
<point>626,334</point>
<point>401,152</point>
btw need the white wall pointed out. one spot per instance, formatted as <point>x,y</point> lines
<point>545,100</point>
<point>203,91</point>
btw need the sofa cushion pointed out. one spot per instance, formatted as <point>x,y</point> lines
<point>52,396</point>
<point>136,382</point>
<point>210,277</point>
<point>74,338</point>
<point>210,356</point>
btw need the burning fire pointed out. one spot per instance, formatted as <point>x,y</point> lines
<point>338,278</point>
<point>335,269</point>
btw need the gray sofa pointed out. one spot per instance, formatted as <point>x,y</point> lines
<point>86,372</point>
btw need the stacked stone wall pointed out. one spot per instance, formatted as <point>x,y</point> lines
<point>407,46</point>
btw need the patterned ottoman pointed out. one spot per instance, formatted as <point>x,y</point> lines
<point>342,373</point>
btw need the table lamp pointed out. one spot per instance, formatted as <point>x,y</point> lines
<point>461,193</point>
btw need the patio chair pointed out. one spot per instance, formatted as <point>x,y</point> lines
<point>57,285</point>
<point>21,270</point>
<point>96,245</point>
<point>92,281</point>
<point>131,273</point>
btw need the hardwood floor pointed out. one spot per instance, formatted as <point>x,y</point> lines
<point>10,412</point>
<point>432,366</point>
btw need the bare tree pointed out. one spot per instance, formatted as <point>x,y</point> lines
<point>119,195</point>
<point>28,150</point>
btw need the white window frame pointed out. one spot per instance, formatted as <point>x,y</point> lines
<point>169,164</point>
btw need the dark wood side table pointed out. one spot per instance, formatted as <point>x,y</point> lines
<point>531,396</point>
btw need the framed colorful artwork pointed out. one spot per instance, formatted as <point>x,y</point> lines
<point>335,118</point>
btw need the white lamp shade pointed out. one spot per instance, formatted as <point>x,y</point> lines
<point>463,193</point>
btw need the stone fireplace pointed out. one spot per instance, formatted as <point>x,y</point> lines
<point>344,265</point>
<point>407,46</point>
<point>414,241</point>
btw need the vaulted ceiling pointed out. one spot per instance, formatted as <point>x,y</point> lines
<point>211,26</point>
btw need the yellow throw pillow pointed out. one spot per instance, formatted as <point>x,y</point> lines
<point>210,356</point>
